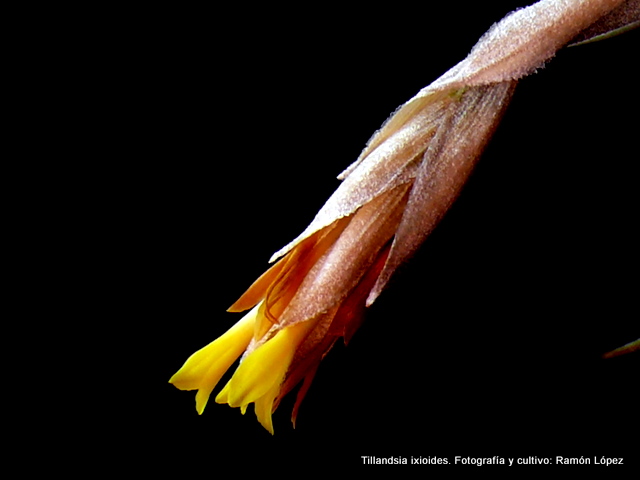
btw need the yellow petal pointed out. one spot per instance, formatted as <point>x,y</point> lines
<point>223,396</point>
<point>204,368</point>
<point>264,408</point>
<point>264,369</point>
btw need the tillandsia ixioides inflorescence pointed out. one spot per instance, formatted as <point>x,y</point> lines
<point>389,201</point>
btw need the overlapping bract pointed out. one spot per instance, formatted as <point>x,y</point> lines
<point>390,199</point>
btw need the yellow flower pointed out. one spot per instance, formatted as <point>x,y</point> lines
<point>203,370</point>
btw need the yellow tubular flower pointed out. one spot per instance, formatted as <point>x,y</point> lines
<point>203,370</point>
<point>258,379</point>
<point>389,200</point>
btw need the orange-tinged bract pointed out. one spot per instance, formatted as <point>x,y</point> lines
<point>305,302</point>
<point>390,199</point>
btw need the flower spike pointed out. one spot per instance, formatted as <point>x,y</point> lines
<point>390,199</point>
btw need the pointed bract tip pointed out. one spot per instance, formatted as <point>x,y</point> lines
<point>623,350</point>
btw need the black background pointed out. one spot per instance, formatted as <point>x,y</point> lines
<point>231,128</point>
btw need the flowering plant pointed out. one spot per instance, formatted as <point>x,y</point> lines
<point>389,201</point>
